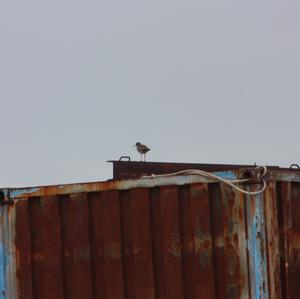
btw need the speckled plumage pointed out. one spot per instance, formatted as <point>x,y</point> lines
<point>142,149</point>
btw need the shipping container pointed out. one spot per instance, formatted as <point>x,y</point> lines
<point>171,237</point>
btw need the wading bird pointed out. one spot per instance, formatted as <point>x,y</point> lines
<point>142,149</point>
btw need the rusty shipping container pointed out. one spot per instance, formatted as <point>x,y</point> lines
<point>179,237</point>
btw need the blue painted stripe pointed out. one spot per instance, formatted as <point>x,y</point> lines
<point>3,255</point>
<point>7,259</point>
<point>257,248</point>
<point>228,175</point>
<point>2,272</point>
<point>14,193</point>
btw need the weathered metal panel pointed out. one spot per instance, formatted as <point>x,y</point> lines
<point>257,247</point>
<point>273,241</point>
<point>137,243</point>
<point>290,197</point>
<point>23,193</point>
<point>24,273</point>
<point>180,237</point>
<point>287,228</point>
<point>133,170</point>
<point>234,228</point>
<point>7,251</point>
<point>51,228</point>
<point>197,254</point>
<point>113,270</point>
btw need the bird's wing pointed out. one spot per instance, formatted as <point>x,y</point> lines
<point>146,148</point>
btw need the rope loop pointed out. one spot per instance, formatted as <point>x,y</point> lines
<point>215,178</point>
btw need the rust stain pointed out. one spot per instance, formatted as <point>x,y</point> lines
<point>112,251</point>
<point>171,247</point>
<point>206,258</point>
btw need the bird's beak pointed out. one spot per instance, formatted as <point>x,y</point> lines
<point>133,145</point>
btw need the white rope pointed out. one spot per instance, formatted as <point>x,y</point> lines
<point>214,177</point>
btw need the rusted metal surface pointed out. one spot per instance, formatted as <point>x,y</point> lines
<point>133,169</point>
<point>272,241</point>
<point>17,194</point>
<point>7,252</point>
<point>182,237</point>
<point>257,251</point>
<point>290,197</point>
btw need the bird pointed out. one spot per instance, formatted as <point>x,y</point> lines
<point>142,149</point>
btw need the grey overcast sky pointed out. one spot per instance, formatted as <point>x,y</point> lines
<point>214,81</point>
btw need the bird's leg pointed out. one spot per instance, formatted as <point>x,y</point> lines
<point>141,157</point>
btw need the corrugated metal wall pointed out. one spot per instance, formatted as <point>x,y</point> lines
<point>168,242</point>
<point>192,241</point>
<point>288,194</point>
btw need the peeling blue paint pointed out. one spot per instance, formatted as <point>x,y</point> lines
<point>228,175</point>
<point>257,248</point>
<point>7,257</point>
<point>2,271</point>
<point>14,193</point>
<point>3,256</point>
